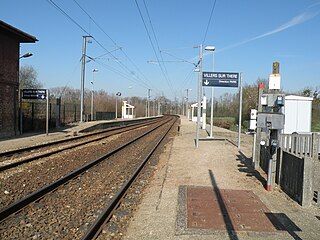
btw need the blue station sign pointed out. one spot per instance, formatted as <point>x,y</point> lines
<point>220,79</point>
<point>34,94</point>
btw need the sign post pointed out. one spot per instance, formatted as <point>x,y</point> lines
<point>240,112</point>
<point>41,94</point>
<point>47,115</point>
<point>225,79</point>
<point>21,111</point>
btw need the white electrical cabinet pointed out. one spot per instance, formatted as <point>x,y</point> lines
<point>298,113</point>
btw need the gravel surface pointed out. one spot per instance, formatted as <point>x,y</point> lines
<point>67,212</point>
<point>25,179</point>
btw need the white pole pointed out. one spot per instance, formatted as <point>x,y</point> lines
<point>187,104</point>
<point>240,112</point>
<point>47,114</point>
<point>204,112</point>
<point>199,96</point>
<point>211,110</point>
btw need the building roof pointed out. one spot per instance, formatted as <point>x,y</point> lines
<point>300,98</point>
<point>23,37</point>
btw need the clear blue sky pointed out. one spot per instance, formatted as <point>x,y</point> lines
<point>248,35</point>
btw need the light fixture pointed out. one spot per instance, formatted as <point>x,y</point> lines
<point>209,48</point>
<point>26,55</point>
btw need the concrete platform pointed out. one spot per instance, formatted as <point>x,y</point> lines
<point>229,191</point>
<point>31,139</point>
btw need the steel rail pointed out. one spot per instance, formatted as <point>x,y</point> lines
<point>15,151</point>
<point>20,204</point>
<point>15,164</point>
<point>95,229</point>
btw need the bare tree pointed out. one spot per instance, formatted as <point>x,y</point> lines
<point>28,77</point>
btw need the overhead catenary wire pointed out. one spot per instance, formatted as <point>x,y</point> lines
<point>187,79</point>
<point>115,43</point>
<point>153,47</point>
<point>179,58</point>
<point>206,32</point>
<point>67,15</point>
<point>124,67</point>
<point>126,76</point>
<point>156,39</point>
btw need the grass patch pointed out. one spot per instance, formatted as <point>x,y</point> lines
<point>315,127</point>
<point>224,122</point>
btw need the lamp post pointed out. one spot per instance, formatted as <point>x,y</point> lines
<point>199,94</point>
<point>26,55</point>
<point>148,103</point>
<point>129,98</point>
<point>211,48</point>
<point>118,94</point>
<point>92,94</point>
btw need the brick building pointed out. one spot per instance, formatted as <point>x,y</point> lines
<point>10,39</point>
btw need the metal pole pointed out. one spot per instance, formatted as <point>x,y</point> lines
<point>47,115</point>
<point>187,104</point>
<point>84,43</point>
<point>148,103</point>
<point>269,178</point>
<point>254,149</point>
<point>211,110</point>
<point>199,96</point>
<point>182,105</point>
<point>158,107</point>
<point>21,112</point>
<point>92,93</point>
<point>116,106</point>
<point>240,112</point>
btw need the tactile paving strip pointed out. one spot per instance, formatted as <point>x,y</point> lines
<point>224,209</point>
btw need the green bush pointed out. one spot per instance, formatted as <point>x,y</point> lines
<point>245,125</point>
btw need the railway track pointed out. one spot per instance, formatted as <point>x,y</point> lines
<point>37,174</point>
<point>14,158</point>
<point>105,180</point>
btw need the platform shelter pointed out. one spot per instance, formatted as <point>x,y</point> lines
<point>194,111</point>
<point>127,110</point>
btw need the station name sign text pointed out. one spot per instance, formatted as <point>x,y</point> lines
<point>220,79</point>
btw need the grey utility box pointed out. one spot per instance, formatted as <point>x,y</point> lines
<point>272,100</point>
<point>270,120</point>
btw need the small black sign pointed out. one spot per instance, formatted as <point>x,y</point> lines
<point>220,79</point>
<point>34,94</point>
